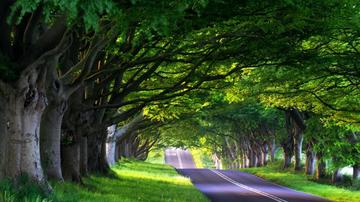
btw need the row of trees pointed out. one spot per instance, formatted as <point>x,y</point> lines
<point>71,70</point>
<point>249,134</point>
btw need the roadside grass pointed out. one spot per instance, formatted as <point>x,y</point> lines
<point>301,182</point>
<point>132,181</point>
<point>129,181</point>
<point>25,190</point>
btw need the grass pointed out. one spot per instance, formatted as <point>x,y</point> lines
<point>133,181</point>
<point>301,182</point>
<point>25,190</point>
<point>156,156</point>
<point>130,181</point>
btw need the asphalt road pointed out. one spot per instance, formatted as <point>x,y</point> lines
<point>230,185</point>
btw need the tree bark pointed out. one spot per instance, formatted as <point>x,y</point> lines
<point>83,156</point>
<point>3,135</point>
<point>110,145</point>
<point>117,152</point>
<point>93,152</point>
<point>232,153</point>
<point>104,166</point>
<point>264,153</point>
<point>336,176</point>
<point>288,153</point>
<point>50,140</point>
<point>288,143</point>
<point>253,159</point>
<point>217,161</point>
<point>298,140</point>
<point>310,160</point>
<point>263,158</point>
<point>356,171</point>
<point>71,162</point>
<point>258,157</point>
<point>321,167</point>
<point>272,147</point>
<point>245,160</point>
<point>22,108</point>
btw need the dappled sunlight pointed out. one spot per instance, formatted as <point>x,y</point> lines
<point>134,181</point>
<point>154,172</point>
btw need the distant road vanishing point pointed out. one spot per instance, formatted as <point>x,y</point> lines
<point>230,185</point>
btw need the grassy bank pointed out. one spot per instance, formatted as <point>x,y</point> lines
<point>132,181</point>
<point>301,182</point>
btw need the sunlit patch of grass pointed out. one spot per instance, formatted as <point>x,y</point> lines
<point>299,181</point>
<point>156,156</point>
<point>202,158</point>
<point>132,181</point>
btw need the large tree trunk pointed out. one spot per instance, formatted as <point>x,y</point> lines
<point>217,161</point>
<point>336,176</point>
<point>288,153</point>
<point>298,140</point>
<point>245,160</point>
<point>258,157</point>
<point>272,148</point>
<point>288,143</point>
<point>232,152</point>
<point>83,156</point>
<point>93,152</point>
<point>71,162</point>
<point>263,158</point>
<point>3,135</point>
<point>104,166</point>
<point>51,124</point>
<point>21,109</point>
<point>253,159</point>
<point>111,152</point>
<point>294,123</point>
<point>264,153</point>
<point>111,145</point>
<point>310,160</point>
<point>117,152</point>
<point>50,140</point>
<point>321,167</point>
<point>356,172</point>
<point>97,159</point>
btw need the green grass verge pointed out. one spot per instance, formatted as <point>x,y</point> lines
<point>301,182</point>
<point>132,181</point>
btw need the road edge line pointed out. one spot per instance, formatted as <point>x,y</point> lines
<point>275,198</point>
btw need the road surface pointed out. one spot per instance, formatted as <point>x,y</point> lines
<point>231,186</point>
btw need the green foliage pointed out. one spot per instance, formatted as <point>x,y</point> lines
<point>333,142</point>
<point>89,11</point>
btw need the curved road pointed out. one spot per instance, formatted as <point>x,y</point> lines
<point>231,186</point>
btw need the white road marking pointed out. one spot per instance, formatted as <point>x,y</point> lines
<point>179,159</point>
<point>275,198</point>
